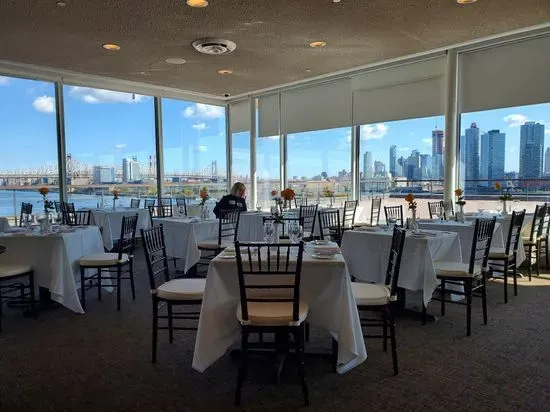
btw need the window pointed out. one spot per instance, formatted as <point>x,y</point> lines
<point>28,159</point>
<point>268,168</point>
<point>319,165</point>
<point>240,165</point>
<point>194,149</point>
<point>110,142</point>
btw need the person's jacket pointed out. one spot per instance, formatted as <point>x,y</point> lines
<point>229,202</point>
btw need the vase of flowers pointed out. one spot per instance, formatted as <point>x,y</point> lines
<point>460,202</point>
<point>45,224</point>
<point>413,224</point>
<point>504,197</point>
<point>277,216</point>
<point>277,199</point>
<point>115,192</point>
<point>203,194</point>
<point>288,196</point>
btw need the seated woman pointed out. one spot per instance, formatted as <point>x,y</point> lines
<point>234,200</point>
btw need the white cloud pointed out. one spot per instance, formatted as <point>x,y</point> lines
<point>204,111</point>
<point>374,131</point>
<point>44,104</point>
<point>96,96</point>
<point>4,80</point>
<point>202,148</point>
<point>120,145</point>
<point>515,120</point>
<point>200,126</point>
<point>427,141</point>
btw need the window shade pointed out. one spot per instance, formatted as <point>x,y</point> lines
<point>239,115</point>
<point>509,75</point>
<point>325,106</point>
<point>268,116</point>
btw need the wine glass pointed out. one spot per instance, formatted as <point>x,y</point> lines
<point>269,230</point>
<point>293,232</point>
<point>391,222</point>
<point>499,207</point>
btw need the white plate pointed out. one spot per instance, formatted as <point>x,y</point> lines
<point>321,242</point>
<point>322,257</point>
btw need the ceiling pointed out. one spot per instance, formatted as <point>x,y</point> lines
<point>272,36</point>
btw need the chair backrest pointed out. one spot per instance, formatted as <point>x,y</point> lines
<point>181,203</point>
<point>155,256</point>
<point>514,233</point>
<point>350,207</point>
<point>228,224</point>
<point>286,223</point>
<point>166,201</point>
<point>300,200</point>
<point>546,221</point>
<point>481,243</point>
<point>329,225</point>
<point>376,206</point>
<point>67,207</point>
<point>394,212</point>
<point>448,208</point>
<point>394,260</point>
<point>538,218</point>
<point>77,218</point>
<point>57,205</point>
<point>258,261</point>
<point>148,202</point>
<point>26,210</point>
<point>67,213</point>
<point>134,203</point>
<point>158,212</point>
<point>436,209</point>
<point>308,214</point>
<point>127,240</point>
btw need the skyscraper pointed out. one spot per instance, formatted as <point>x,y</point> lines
<point>437,154</point>
<point>471,156</point>
<point>493,149</point>
<point>425,166</point>
<point>379,168</point>
<point>368,170</point>
<point>103,174</point>
<point>393,160</point>
<point>547,161</point>
<point>531,147</point>
<point>130,170</point>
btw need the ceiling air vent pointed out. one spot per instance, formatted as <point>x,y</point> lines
<point>214,46</point>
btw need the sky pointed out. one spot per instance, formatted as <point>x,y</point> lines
<point>103,127</point>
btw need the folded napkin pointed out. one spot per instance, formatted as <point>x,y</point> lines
<point>330,249</point>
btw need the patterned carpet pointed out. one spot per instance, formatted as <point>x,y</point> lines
<point>101,362</point>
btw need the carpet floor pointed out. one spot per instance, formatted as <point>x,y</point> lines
<point>100,361</point>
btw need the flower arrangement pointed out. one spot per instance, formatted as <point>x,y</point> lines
<point>288,194</point>
<point>188,193</point>
<point>506,195</point>
<point>327,192</point>
<point>115,192</point>
<point>48,204</point>
<point>410,200</point>
<point>460,196</point>
<point>203,194</point>
<point>274,193</point>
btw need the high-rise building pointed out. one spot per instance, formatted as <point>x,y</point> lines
<point>493,149</point>
<point>103,174</point>
<point>393,160</point>
<point>547,162</point>
<point>437,154</point>
<point>131,170</point>
<point>379,168</point>
<point>425,166</point>
<point>531,147</point>
<point>368,170</point>
<point>471,156</point>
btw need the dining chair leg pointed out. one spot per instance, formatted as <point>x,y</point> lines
<point>424,313</point>
<point>170,324</point>
<point>546,239</point>
<point>442,286</point>
<point>32,295</point>
<point>537,254</point>
<point>468,292</point>
<point>530,263</point>
<point>393,342</point>
<point>82,288</point>
<point>505,280</point>
<point>300,360</point>
<point>385,331</point>
<point>515,277</point>
<point>307,331</point>
<point>334,354</point>
<point>155,331</point>
<point>132,284</point>
<point>243,368</point>
<point>484,298</point>
<point>99,284</point>
<point>118,288</point>
<point>0,312</point>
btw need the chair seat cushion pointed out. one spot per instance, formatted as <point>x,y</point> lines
<point>103,259</point>
<point>182,289</point>
<point>213,244</point>
<point>499,253</point>
<point>370,294</point>
<point>455,269</point>
<point>13,270</point>
<point>272,314</point>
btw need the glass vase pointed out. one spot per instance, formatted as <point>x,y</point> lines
<point>460,213</point>
<point>413,224</point>
<point>504,207</point>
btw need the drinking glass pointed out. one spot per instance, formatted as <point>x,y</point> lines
<point>499,207</point>
<point>299,233</point>
<point>391,223</point>
<point>28,222</point>
<point>293,231</point>
<point>269,230</point>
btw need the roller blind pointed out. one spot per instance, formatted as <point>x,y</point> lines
<point>239,114</point>
<point>325,106</point>
<point>268,116</point>
<point>509,75</point>
<point>404,92</point>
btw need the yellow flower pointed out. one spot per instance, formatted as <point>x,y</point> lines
<point>409,198</point>
<point>497,186</point>
<point>458,192</point>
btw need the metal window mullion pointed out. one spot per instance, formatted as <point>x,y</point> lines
<point>228,148</point>
<point>451,125</point>
<point>253,174</point>
<point>159,149</point>
<point>61,142</point>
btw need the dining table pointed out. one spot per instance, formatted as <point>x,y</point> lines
<point>54,258</point>
<point>325,287</point>
<point>110,222</point>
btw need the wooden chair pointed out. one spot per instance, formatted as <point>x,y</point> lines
<point>381,298</point>
<point>471,276</point>
<point>112,263</point>
<point>545,235</point>
<point>376,206</point>
<point>307,216</point>
<point>329,225</point>
<point>181,204</point>
<point>166,201</point>
<point>16,285</point>
<point>532,243</point>
<point>26,211</point>
<point>134,203</point>
<point>394,212</point>
<point>436,209</point>
<point>167,292</point>
<point>448,208</point>
<point>265,308</point>
<point>348,217</point>
<point>159,212</point>
<point>300,200</point>
<point>147,203</point>
<point>504,260</point>
<point>67,209</point>
<point>57,206</point>
<point>77,218</point>
<point>228,229</point>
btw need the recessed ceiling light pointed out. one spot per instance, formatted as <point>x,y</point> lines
<point>174,60</point>
<point>318,44</point>
<point>225,72</point>
<point>111,46</point>
<point>465,1</point>
<point>308,70</point>
<point>336,1</point>
<point>197,3</point>
<point>61,4</point>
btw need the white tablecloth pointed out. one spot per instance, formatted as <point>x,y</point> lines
<point>181,236</point>
<point>325,287</point>
<point>4,224</point>
<point>110,222</point>
<point>367,254</point>
<point>54,258</point>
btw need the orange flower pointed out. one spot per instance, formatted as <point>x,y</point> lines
<point>458,192</point>
<point>409,198</point>
<point>203,193</point>
<point>498,186</point>
<point>274,193</point>
<point>43,191</point>
<point>288,194</point>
